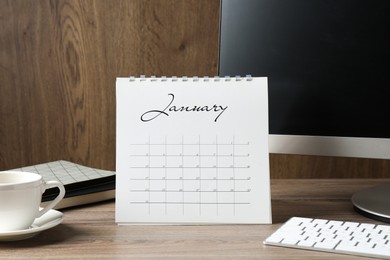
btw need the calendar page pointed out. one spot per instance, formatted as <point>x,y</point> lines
<point>192,151</point>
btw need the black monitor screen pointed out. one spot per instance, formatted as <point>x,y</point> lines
<point>327,62</point>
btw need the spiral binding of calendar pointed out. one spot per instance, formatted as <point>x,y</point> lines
<point>194,79</point>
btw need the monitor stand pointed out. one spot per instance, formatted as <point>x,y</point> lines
<point>373,202</point>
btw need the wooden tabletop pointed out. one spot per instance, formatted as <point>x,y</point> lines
<point>90,232</point>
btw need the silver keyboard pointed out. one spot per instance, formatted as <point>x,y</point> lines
<point>342,237</point>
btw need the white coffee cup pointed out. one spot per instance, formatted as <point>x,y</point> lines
<point>20,199</point>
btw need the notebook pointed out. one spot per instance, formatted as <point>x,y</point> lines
<point>83,185</point>
<point>192,151</point>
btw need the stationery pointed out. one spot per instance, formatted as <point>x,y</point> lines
<point>83,185</point>
<point>192,151</point>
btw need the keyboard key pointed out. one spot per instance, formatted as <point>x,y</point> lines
<point>362,239</point>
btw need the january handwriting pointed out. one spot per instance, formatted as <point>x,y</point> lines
<point>171,107</point>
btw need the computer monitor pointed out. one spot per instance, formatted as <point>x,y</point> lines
<point>328,69</point>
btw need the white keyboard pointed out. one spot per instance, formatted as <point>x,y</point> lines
<point>352,238</point>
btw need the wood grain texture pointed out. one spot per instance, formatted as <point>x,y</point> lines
<point>309,166</point>
<point>90,232</point>
<point>59,60</point>
<point>58,64</point>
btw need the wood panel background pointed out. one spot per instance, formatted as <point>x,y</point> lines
<point>58,64</point>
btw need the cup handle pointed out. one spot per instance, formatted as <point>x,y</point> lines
<point>48,185</point>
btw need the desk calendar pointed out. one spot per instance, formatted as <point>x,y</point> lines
<point>192,151</point>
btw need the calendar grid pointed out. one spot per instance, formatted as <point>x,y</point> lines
<point>214,181</point>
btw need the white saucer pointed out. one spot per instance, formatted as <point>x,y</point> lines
<point>51,219</point>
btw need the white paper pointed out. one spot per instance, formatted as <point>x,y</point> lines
<point>192,151</point>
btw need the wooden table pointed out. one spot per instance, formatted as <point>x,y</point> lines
<point>90,232</point>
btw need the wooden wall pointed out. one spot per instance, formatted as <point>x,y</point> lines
<point>59,60</point>
<point>58,64</point>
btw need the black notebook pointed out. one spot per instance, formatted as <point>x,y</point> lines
<point>83,184</point>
